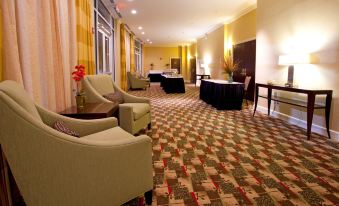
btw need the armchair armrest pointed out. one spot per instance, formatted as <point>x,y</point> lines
<point>83,127</point>
<point>131,98</point>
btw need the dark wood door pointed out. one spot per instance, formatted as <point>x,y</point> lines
<point>245,53</point>
<point>193,69</point>
<point>176,64</point>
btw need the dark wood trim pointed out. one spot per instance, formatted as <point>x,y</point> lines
<point>4,193</point>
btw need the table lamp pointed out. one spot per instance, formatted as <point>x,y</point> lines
<point>291,60</point>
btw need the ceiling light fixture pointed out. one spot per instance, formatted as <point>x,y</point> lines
<point>140,27</point>
<point>143,33</point>
<point>150,42</point>
<point>147,39</point>
<point>133,11</point>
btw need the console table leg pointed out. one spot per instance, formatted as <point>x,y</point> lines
<point>310,110</point>
<point>327,113</point>
<point>269,97</point>
<point>256,99</point>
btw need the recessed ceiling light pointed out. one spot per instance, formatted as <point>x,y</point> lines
<point>140,27</point>
<point>133,11</point>
<point>150,42</point>
<point>143,33</point>
<point>147,39</point>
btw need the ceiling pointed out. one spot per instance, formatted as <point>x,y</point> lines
<point>173,22</point>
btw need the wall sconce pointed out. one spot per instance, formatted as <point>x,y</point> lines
<point>290,61</point>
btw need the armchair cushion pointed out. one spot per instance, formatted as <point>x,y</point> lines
<point>114,134</point>
<point>62,127</point>
<point>102,83</point>
<point>114,97</point>
<point>139,109</point>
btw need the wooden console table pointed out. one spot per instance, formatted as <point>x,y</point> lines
<point>310,105</point>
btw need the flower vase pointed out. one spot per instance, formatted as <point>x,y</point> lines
<point>230,77</point>
<point>80,101</point>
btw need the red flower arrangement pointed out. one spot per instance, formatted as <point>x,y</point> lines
<point>78,75</point>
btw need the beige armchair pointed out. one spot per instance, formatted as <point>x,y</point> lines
<point>134,113</point>
<point>105,166</point>
<point>137,83</point>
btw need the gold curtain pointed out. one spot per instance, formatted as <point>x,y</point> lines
<point>132,60</point>
<point>123,82</point>
<point>85,35</point>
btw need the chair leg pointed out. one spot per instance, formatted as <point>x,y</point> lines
<point>148,197</point>
<point>149,126</point>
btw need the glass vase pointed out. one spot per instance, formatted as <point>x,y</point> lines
<point>80,101</point>
<point>230,77</point>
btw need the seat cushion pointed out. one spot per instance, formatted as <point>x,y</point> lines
<point>20,96</point>
<point>113,134</point>
<point>139,109</point>
<point>102,83</point>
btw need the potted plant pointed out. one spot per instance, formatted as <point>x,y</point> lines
<point>229,67</point>
<point>77,75</point>
<point>152,65</point>
<point>167,65</point>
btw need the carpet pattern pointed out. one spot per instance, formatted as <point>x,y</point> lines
<point>202,156</point>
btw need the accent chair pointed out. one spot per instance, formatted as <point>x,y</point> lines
<point>104,166</point>
<point>134,112</point>
<point>137,83</point>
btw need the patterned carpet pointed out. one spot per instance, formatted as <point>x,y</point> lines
<point>203,156</point>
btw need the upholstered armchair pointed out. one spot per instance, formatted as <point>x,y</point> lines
<point>104,166</point>
<point>134,112</point>
<point>137,83</point>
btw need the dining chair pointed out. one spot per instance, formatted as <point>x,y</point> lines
<point>247,82</point>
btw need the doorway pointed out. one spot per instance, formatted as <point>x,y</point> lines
<point>245,53</point>
<point>176,64</point>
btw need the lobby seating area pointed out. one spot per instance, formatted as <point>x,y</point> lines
<point>169,103</point>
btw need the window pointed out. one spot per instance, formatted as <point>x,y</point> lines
<point>138,56</point>
<point>104,39</point>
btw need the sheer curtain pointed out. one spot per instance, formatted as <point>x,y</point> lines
<point>39,48</point>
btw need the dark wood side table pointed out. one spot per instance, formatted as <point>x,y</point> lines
<point>310,105</point>
<point>92,111</point>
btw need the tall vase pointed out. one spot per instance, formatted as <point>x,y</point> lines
<point>230,77</point>
<point>80,101</point>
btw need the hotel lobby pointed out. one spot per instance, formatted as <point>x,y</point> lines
<point>143,102</point>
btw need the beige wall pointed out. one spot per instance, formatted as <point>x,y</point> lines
<point>295,26</point>
<point>219,41</point>
<point>241,30</point>
<point>159,56</point>
<point>211,51</point>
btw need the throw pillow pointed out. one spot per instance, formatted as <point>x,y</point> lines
<point>114,97</point>
<point>61,127</point>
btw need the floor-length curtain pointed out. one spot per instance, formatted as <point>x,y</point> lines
<point>39,48</point>
<point>85,36</point>
<point>123,82</point>
<point>132,52</point>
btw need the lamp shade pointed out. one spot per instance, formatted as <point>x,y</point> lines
<point>294,59</point>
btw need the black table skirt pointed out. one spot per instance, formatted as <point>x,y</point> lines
<point>222,96</point>
<point>173,85</point>
<point>155,77</point>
